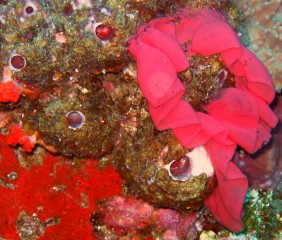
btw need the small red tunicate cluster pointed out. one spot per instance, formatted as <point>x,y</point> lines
<point>18,137</point>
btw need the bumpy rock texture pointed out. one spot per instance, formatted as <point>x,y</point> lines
<point>86,101</point>
<point>58,37</point>
<point>45,41</point>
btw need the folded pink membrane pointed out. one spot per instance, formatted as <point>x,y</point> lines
<point>239,116</point>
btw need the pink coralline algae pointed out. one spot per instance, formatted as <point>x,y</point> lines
<point>127,215</point>
<point>132,215</point>
<point>239,116</point>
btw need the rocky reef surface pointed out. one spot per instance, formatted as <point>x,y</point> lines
<point>77,96</point>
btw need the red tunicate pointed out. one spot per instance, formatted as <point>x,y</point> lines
<point>29,35</point>
<point>29,9</point>
<point>75,119</point>
<point>17,62</point>
<point>68,9</point>
<point>104,32</point>
<point>180,168</point>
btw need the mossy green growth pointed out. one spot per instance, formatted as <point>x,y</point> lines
<point>263,214</point>
<point>59,37</point>
<point>93,136</point>
<point>204,80</point>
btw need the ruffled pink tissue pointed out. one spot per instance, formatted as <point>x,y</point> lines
<point>239,116</point>
<point>158,84</point>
